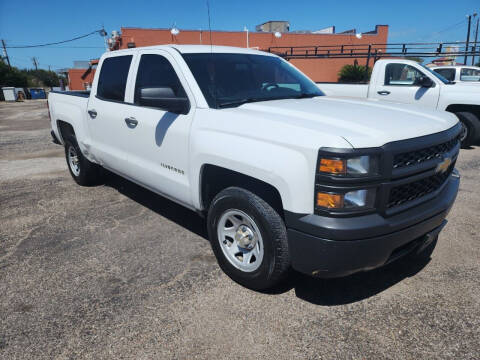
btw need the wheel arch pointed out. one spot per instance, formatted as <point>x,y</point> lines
<point>214,179</point>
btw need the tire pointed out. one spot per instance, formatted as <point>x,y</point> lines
<point>471,127</point>
<point>267,263</point>
<point>83,171</point>
<point>426,253</point>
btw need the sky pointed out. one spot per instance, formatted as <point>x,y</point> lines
<point>36,22</point>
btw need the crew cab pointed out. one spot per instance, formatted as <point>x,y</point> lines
<point>408,82</point>
<point>285,176</point>
<point>459,73</point>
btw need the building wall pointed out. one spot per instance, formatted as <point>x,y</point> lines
<point>75,81</point>
<point>320,70</point>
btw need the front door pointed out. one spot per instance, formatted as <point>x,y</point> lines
<point>401,85</point>
<point>159,140</point>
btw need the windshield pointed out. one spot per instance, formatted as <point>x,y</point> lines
<point>228,80</point>
<point>437,75</point>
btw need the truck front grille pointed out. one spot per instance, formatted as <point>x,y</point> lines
<point>405,193</point>
<point>418,156</point>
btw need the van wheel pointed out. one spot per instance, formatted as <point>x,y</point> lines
<point>83,171</point>
<point>470,128</point>
<point>248,238</point>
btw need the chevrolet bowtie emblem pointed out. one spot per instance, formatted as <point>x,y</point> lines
<point>443,166</point>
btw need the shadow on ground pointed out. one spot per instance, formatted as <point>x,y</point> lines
<point>326,292</point>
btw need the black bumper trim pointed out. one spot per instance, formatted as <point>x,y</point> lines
<point>366,242</point>
<point>372,225</point>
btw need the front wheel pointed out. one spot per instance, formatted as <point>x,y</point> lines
<point>248,238</point>
<point>470,128</point>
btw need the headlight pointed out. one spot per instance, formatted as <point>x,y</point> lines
<point>352,200</point>
<point>356,166</point>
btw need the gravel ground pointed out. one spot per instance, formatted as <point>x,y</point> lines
<point>115,271</point>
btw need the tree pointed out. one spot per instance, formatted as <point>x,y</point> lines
<point>12,76</point>
<point>354,73</point>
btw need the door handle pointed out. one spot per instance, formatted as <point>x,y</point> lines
<point>92,113</point>
<point>383,92</point>
<point>131,122</point>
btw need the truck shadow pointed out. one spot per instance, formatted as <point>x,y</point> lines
<point>356,287</point>
<point>184,217</point>
<point>326,292</point>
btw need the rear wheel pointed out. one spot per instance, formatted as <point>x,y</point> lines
<point>249,239</point>
<point>83,171</point>
<point>470,128</point>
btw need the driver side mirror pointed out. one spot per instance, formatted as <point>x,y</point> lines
<point>164,98</point>
<point>424,81</point>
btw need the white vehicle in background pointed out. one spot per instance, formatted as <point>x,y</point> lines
<point>285,176</point>
<point>459,73</point>
<point>408,82</point>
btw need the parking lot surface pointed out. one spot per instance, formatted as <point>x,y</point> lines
<point>115,271</point>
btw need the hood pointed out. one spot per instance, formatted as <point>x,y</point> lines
<point>363,123</point>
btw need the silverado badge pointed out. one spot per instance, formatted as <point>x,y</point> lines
<point>444,165</point>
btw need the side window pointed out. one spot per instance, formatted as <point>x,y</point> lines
<point>470,75</point>
<point>113,78</point>
<point>156,71</point>
<point>448,74</point>
<point>401,74</point>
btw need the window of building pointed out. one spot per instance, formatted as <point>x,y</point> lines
<point>113,78</point>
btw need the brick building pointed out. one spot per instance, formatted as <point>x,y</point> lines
<point>319,70</point>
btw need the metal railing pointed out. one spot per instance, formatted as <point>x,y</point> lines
<point>376,51</point>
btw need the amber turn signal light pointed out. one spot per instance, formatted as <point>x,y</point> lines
<point>329,201</point>
<point>333,166</point>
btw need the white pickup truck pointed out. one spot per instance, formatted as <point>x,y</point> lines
<point>460,74</point>
<point>408,82</point>
<point>286,177</point>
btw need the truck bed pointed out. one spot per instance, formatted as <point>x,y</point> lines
<point>85,93</point>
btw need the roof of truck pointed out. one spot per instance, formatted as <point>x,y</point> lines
<point>187,49</point>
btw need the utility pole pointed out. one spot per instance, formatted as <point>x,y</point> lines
<point>468,38</point>
<point>6,54</point>
<point>35,62</point>
<point>475,46</point>
<point>468,35</point>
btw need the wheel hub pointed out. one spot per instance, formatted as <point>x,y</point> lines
<point>245,237</point>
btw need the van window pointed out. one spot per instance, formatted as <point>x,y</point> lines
<point>401,74</point>
<point>113,78</point>
<point>156,71</point>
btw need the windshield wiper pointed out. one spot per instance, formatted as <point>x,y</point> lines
<point>241,102</point>
<point>306,96</point>
<point>252,99</point>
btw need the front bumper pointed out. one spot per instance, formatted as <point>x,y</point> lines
<point>334,247</point>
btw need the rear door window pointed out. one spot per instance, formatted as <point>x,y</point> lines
<point>448,74</point>
<point>113,78</point>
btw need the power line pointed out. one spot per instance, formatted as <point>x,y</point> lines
<point>101,31</point>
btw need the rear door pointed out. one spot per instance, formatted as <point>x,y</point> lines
<point>400,85</point>
<point>158,140</point>
<point>107,111</point>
